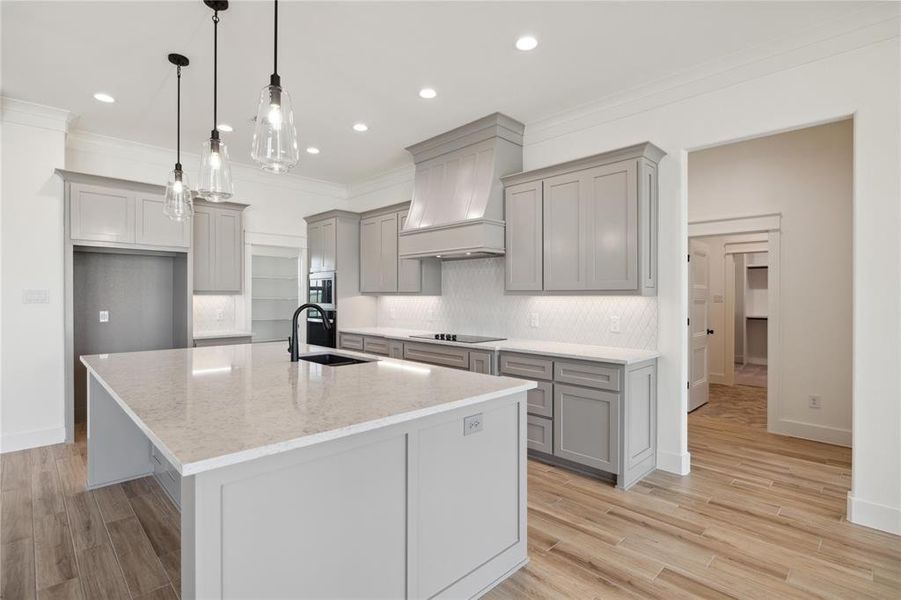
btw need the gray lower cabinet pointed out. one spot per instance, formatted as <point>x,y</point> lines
<point>436,354</point>
<point>480,362</point>
<point>585,225</point>
<point>375,345</point>
<point>586,426</point>
<point>350,341</point>
<point>540,434</point>
<point>395,349</point>
<point>218,248</point>
<point>600,415</point>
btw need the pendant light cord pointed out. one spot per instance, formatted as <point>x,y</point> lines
<point>178,120</point>
<point>215,68</point>
<point>275,43</point>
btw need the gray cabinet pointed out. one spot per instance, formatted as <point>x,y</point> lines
<point>586,426</point>
<point>395,349</point>
<point>523,233</point>
<point>378,253</point>
<point>218,248</point>
<point>375,345</point>
<point>102,214</point>
<point>590,223</point>
<point>480,362</point>
<point>595,414</point>
<point>350,341</point>
<point>381,269</point>
<point>153,228</point>
<point>322,245</point>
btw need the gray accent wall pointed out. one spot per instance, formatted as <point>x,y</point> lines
<point>138,290</point>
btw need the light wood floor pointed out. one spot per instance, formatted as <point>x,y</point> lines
<point>760,516</point>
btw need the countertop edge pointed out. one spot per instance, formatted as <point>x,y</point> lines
<point>505,346</point>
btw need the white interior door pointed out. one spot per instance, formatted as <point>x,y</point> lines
<point>698,289</point>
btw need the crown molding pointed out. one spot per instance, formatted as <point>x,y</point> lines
<point>397,176</point>
<point>95,143</point>
<point>35,115</point>
<point>870,25</point>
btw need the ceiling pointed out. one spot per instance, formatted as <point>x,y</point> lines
<point>345,62</point>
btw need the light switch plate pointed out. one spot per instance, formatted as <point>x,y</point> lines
<point>35,296</point>
<point>614,324</point>
<point>104,316</point>
<point>815,401</point>
<point>472,424</point>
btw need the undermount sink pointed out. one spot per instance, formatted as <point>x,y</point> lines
<point>333,360</point>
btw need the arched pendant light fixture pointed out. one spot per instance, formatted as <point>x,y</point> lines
<point>178,204</point>
<point>215,181</point>
<point>274,136</point>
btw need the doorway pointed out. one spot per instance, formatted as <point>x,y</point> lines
<point>775,215</point>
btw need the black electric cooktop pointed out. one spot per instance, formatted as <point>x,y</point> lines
<point>455,337</point>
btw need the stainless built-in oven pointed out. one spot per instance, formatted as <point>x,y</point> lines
<point>322,289</point>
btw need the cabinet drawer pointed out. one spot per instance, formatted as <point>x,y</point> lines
<point>539,434</point>
<point>395,349</point>
<point>437,355</point>
<point>540,401</point>
<point>529,367</point>
<point>604,377</point>
<point>351,341</point>
<point>375,345</point>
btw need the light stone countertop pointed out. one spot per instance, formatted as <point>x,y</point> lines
<point>608,354</point>
<point>210,407</point>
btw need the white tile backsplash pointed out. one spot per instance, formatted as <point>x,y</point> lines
<point>473,301</point>
<point>207,310</point>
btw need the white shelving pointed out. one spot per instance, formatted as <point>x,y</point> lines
<point>756,308</point>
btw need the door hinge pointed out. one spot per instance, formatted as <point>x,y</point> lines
<point>689,258</point>
<point>689,321</point>
<point>688,386</point>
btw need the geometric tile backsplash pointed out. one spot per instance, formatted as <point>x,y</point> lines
<point>215,313</point>
<point>473,301</point>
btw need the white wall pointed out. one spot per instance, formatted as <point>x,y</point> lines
<point>32,363</point>
<point>829,73</point>
<point>804,175</point>
<point>473,301</point>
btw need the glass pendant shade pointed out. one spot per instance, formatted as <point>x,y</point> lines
<point>215,181</point>
<point>275,146</point>
<point>179,204</point>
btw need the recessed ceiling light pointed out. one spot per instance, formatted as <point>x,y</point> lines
<point>427,93</point>
<point>312,150</point>
<point>225,127</point>
<point>526,43</point>
<point>104,97</point>
<point>361,127</point>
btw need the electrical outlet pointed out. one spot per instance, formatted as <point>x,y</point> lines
<point>104,316</point>
<point>472,424</point>
<point>614,324</point>
<point>35,296</point>
<point>533,320</point>
<point>220,314</point>
<point>815,402</point>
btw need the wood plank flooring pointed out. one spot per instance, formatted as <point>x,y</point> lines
<point>61,541</point>
<point>760,516</point>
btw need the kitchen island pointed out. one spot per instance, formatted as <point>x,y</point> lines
<point>379,479</point>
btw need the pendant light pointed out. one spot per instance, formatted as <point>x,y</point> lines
<point>215,181</point>
<point>274,136</point>
<point>178,204</point>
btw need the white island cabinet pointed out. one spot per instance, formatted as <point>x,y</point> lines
<point>298,480</point>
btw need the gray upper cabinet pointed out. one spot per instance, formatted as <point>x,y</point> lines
<point>102,214</point>
<point>153,228</point>
<point>591,224</point>
<point>117,216</point>
<point>524,262</point>
<point>218,248</point>
<point>322,242</point>
<point>381,269</point>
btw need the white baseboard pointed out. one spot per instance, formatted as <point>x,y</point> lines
<point>717,378</point>
<point>753,360</point>
<point>10,442</point>
<point>871,514</point>
<point>674,462</point>
<point>811,431</point>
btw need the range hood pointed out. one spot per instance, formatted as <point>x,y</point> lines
<point>458,198</point>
